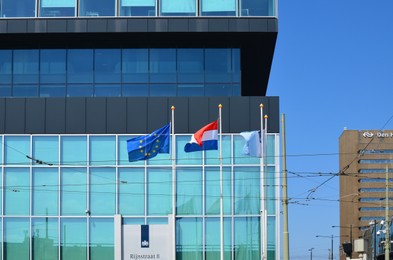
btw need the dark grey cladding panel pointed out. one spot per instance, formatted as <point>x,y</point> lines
<point>117,25</point>
<point>218,25</point>
<point>35,116</point>
<point>198,25</point>
<point>3,26</point>
<point>57,25</point>
<point>178,25</point>
<point>239,114</point>
<point>136,114</point>
<point>2,115</point>
<point>117,116</point>
<point>75,115</point>
<point>79,25</point>
<point>198,114</point>
<point>241,25</point>
<point>17,26</point>
<point>97,25</point>
<point>214,102</point>
<point>37,26</point>
<point>258,25</point>
<point>181,113</point>
<point>137,25</point>
<point>158,113</point>
<point>15,115</point>
<point>157,25</point>
<point>272,25</point>
<point>96,115</point>
<point>55,115</point>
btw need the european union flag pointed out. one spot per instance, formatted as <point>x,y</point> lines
<point>148,146</point>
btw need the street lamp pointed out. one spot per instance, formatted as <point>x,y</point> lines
<point>310,252</point>
<point>331,246</point>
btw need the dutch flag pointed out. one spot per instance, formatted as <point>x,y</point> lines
<point>205,138</point>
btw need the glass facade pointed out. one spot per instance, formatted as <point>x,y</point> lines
<point>133,8</point>
<point>61,204</point>
<point>119,72</point>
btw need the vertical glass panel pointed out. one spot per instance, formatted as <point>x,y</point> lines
<point>247,238</point>
<point>25,91</point>
<point>236,66</point>
<point>101,241</point>
<point>46,149</point>
<point>218,63</point>
<point>45,191</point>
<point>137,7</point>
<point>212,231</point>
<point>18,8</point>
<point>52,66</point>
<point>270,147</point>
<point>217,90</point>
<point>94,8</point>
<point>183,158</point>
<point>211,156</point>
<point>162,90</point>
<point>135,90</point>
<point>58,90</point>
<point>131,191</point>
<point>159,191</point>
<point>57,8</point>
<point>5,90</point>
<point>102,191</point>
<point>17,192</point>
<point>123,153</point>
<point>73,150</point>
<point>189,191</point>
<point>5,66</point>
<point>107,90</point>
<point>271,237</point>
<point>218,8</point>
<point>255,8</point>
<point>102,150</point>
<point>1,198</point>
<point>190,65</point>
<point>157,221</point>
<point>212,190</point>
<point>247,190</point>
<point>15,150</point>
<point>45,238</point>
<point>135,65</point>
<point>186,90</point>
<point>79,90</point>
<point>73,239</point>
<point>1,239</point>
<point>16,238</point>
<point>271,187</point>
<point>189,238</point>
<point>107,65</point>
<point>162,65</point>
<point>80,66</point>
<point>25,66</point>
<point>239,157</point>
<point>133,221</point>
<point>73,191</point>
<point>178,8</point>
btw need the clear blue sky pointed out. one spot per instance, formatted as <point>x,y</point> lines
<point>332,68</point>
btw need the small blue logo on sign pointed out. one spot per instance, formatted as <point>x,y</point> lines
<point>144,236</point>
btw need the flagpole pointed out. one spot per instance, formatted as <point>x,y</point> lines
<point>221,190</point>
<point>265,174</point>
<point>261,180</point>
<point>173,156</point>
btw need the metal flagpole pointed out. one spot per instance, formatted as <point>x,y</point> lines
<point>221,190</point>
<point>262,185</point>
<point>264,189</point>
<point>285,193</point>
<point>173,156</point>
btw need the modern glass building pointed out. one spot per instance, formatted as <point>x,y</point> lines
<point>78,78</point>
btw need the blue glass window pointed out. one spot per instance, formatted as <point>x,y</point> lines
<point>25,66</point>
<point>45,238</point>
<point>16,238</point>
<point>73,191</point>
<point>138,7</point>
<point>189,191</point>
<point>25,91</point>
<point>270,182</point>
<point>80,66</point>
<point>212,156</point>
<point>78,90</point>
<point>102,150</point>
<point>17,194</point>
<point>218,8</point>
<point>184,90</point>
<point>15,150</point>
<point>51,90</point>
<point>5,67</point>
<point>73,150</point>
<point>212,231</point>
<point>17,8</point>
<point>246,190</point>
<point>45,191</point>
<point>135,65</point>
<point>212,190</point>
<point>107,66</point>
<point>256,8</point>
<point>178,8</point>
<point>162,65</point>
<point>218,65</point>
<point>94,8</point>
<point>247,242</point>
<point>189,238</point>
<point>73,239</point>
<point>107,90</point>
<point>159,191</point>
<point>46,149</point>
<point>190,65</point>
<point>131,191</point>
<point>102,191</point>
<point>135,90</point>
<point>52,66</point>
<point>57,8</point>
<point>101,243</point>
<point>162,90</point>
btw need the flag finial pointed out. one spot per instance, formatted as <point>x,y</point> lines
<point>219,106</point>
<point>265,116</point>
<point>172,107</point>
<point>261,105</point>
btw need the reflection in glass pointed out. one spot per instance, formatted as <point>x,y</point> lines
<point>73,239</point>
<point>162,65</point>
<point>5,66</point>
<point>101,243</point>
<point>159,191</point>
<point>57,8</point>
<point>16,238</point>
<point>45,238</point>
<point>247,242</point>
<point>94,8</point>
<point>80,66</point>
<point>132,191</point>
<point>17,194</point>
<point>246,190</point>
<point>218,8</point>
<point>189,191</point>
<point>189,238</point>
<point>18,8</point>
<point>178,8</point>
<point>45,191</point>
<point>52,66</point>
<point>137,7</point>
<point>102,191</point>
<point>73,191</point>
<point>107,65</point>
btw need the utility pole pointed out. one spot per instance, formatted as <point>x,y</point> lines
<point>387,235</point>
<point>310,252</point>
<point>284,193</point>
